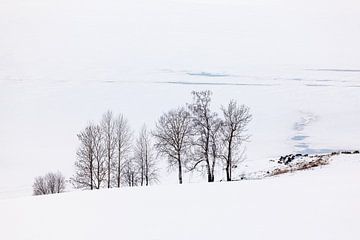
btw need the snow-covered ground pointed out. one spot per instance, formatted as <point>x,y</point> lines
<point>64,63</point>
<point>322,203</point>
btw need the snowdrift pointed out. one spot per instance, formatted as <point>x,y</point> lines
<point>314,204</point>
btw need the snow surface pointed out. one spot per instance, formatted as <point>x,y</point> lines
<point>322,203</point>
<point>64,63</point>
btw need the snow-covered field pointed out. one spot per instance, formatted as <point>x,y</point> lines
<point>64,63</point>
<point>315,204</point>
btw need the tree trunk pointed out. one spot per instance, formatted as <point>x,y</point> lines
<point>229,160</point>
<point>91,174</point>
<point>180,169</point>
<point>207,156</point>
<point>213,170</point>
<point>142,172</point>
<point>228,164</point>
<point>208,171</point>
<point>119,169</point>
<point>146,167</point>
<point>109,168</point>
<point>98,176</point>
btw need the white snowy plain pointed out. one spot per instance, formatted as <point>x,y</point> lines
<point>64,63</point>
<point>294,63</point>
<point>322,203</point>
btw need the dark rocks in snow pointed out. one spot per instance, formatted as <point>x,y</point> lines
<point>288,158</point>
<point>303,164</point>
<point>291,157</point>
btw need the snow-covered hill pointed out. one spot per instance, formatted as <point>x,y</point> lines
<point>314,204</point>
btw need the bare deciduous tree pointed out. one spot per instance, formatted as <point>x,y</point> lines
<point>99,156</point>
<point>84,175</point>
<point>49,184</point>
<point>90,165</point>
<point>148,172</point>
<point>109,137</point>
<point>130,173</point>
<point>236,119</point>
<point>215,144</point>
<point>204,123</point>
<point>173,137</point>
<point>40,186</point>
<point>123,136</point>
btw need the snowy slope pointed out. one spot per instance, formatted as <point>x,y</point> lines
<point>64,63</point>
<point>316,204</point>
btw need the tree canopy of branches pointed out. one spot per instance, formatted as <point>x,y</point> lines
<point>130,174</point>
<point>205,124</point>
<point>90,165</point>
<point>99,155</point>
<point>148,173</point>
<point>109,138</point>
<point>173,137</point>
<point>123,137</point>
<point>84,166</point>
<point>49,184</point>
<point>235,121</point>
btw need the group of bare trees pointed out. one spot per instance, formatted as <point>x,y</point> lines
<point>197,138</point>
<point>49,184</point>
<point>192,137</point>
<point>107,158</point>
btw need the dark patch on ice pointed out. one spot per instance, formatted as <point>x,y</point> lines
<point>354,86</point>
<point>208,74</point>
<point>325,80</point>
<point>220,84</point>
<point>304,121</point>
<point>334,70</point>
<point>299,138</point>
<point>302,145</point>
<point>306,149</point>
<point>167,70</point>
<point>319,85</point>
<point>299,126</point>
<point>109,81</point>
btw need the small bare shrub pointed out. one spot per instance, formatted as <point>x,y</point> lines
<point>49,184</point>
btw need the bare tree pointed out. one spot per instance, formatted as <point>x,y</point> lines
<point>215,144</point>
<point>60,184</point>
<point>144,159</point>
<point>123,137</point>
<point>49,184</point>
<point>204,123</point>
<point>90,165</point>
<point>55,182</point>
<point>173,137</point>
<point>130,173</point>
<point>40,186</point>
<point>99,154</point>
<point>84,173</point>
<point>102,149</point>
<point>108,128</point>
<point>236,119</point>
